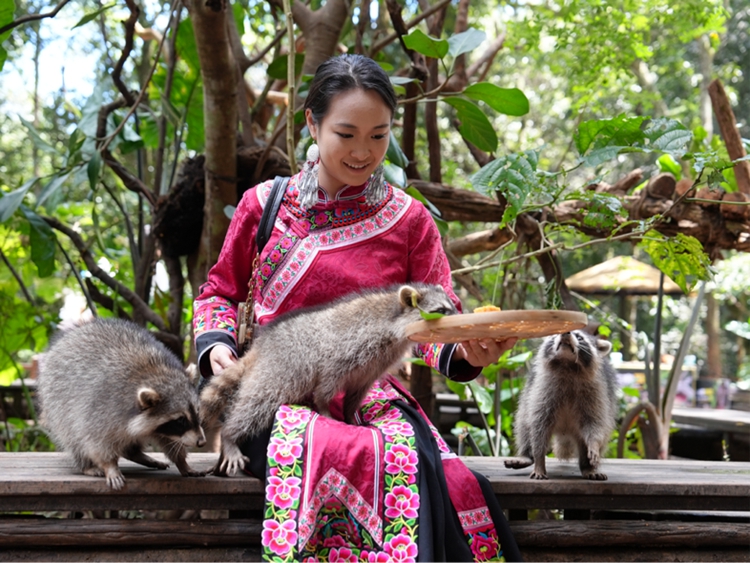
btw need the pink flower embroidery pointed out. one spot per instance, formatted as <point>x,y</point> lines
<point>336,236</point>
<point>334,541</point>
<point>283,492</point>
<point>401,548</point>
<point>292,418</point>
<point>397,428</point>
<point>275,255</point>
<point>358,230</point>
<point>321,219</point>
<point>294,266</point>
<point>401,458</point>
<point>484,548</point>
<point>373,557</point>
<point>279,537</point>
<point>401,502</point>
<point>284,452</point>
<point>265,270</point>
<point>343,554</point>
<point>286,243</point>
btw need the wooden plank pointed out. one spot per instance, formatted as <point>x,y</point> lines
<point>726,420</point>
<point>33,532</point>
<point>613,533</point>
<point>135,554</point>
<point>635,553</point>
<point>46,481</point>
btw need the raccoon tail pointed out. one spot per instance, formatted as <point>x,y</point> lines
<point>218,394</point>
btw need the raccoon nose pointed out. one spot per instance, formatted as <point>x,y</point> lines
<point>201,439</point>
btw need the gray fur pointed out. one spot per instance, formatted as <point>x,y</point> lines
<point>311,355</point>
<point>106,388</point>
<point>570,394</point>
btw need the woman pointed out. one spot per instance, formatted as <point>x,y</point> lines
<point>390,488</point>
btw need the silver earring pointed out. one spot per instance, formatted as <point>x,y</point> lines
<point>308,179</point>
<point>376,188</point>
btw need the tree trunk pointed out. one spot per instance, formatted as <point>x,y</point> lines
<point>219,72</point>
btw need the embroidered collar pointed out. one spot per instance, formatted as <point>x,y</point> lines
<point>349,206</point>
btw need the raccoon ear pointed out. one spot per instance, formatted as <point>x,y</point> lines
<point>148,398</point>
<point>408,297</point>
<point>603,346</point>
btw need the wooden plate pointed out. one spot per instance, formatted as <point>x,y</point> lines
<point>496,324</point>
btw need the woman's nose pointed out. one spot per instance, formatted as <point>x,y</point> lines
<point>360,153</point>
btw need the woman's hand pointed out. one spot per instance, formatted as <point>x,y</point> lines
<point>221,358</point>
<point>484,352</point>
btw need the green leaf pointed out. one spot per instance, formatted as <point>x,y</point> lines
<point>682,258</point>
<point>514,362</point>
<point>40,143</point>
<point>49,190</point>
<point>278,67</point>
<point>420,42</point>
<point>514,176</point>
<point>508,101</point>
<point>416,194</point>
<point>474,127</point>
<point>668,135</point>
<point>426,315</point>
<point>7,9</point>
<point>93,169</point>
<point>394,153</point>
<point>187,49</point>
<point>465,41</point>
<point>602,210</point>
<point>88,17</point>
<point>618,132</point>
<point>394,175</point>
<point>668,164</point>
<point>482,396</point>
<point>10,201</point>
<point>458,388</point>
<point>43,243</point>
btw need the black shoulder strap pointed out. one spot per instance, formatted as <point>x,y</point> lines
<point>270,211</point>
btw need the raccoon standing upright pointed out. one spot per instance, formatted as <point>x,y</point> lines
<point>311,355</point>
<point>106,388</point>
<point>571,394</point>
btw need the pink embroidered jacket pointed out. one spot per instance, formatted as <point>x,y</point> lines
<point>315,256</point>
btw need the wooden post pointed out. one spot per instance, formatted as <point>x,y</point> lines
<point>732,140</point>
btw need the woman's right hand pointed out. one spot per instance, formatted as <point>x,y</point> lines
<point>221,358</point>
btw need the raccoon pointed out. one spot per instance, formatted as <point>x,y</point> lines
<point>571,394</point>
<point>106,388</point>
<point>313,354</point>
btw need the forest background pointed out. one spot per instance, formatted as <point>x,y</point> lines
<point>546,137</point>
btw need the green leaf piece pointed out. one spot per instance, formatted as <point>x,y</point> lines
<point>50,189</point>
<point>11,201</point>
<point>465,41</point>
<point>36,138</point>
<point>93,168</point>
<point>474,127</point>
<point>426,315</point>
<point>43,243</point>
<point>277,68</point>
<point>422,43</point>
<point>669,136</point>
<point>682,258</point>
<point>93,15</point>
<point>514,176</point>
<point>186,46</point>
<point>508,101</point>
<point>394,153</point>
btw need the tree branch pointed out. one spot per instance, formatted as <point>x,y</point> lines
<point>380,45</point>
<point>25,291</point>
<point>33,17</point>
<point>135,11</point>
<point>138,304</point>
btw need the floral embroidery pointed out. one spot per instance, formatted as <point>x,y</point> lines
<point>485,545</point>
<point>215,313</point>
<point>283,483</point>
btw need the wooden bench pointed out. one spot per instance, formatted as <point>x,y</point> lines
<point>38,491</point>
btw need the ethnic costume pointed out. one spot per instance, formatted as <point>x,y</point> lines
<point>388,488</point>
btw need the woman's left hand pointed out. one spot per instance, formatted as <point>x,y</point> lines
<point>483,352</point>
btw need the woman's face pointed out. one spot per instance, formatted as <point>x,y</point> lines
<point>352,137</point>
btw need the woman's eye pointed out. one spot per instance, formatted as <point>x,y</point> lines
<point>345,135</point>
<point>378,137</point>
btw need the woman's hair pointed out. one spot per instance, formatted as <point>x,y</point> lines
<point>344,73</point>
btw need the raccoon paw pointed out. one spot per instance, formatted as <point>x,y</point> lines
<point>518,462</point>
<point>594,475</point>
<point>231,460</point>
<point>115,479</point>
<point>194,473</point>
<point>93,471</point>
<point>538,476</point>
